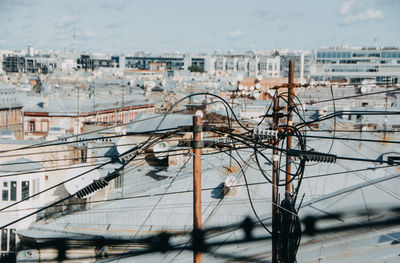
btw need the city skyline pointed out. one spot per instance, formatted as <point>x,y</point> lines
<point>160,26</point>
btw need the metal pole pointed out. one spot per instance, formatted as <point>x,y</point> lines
<point>77,114</point>
<point>197,127</point>
<point>275,180</point>
<point>289,108</point>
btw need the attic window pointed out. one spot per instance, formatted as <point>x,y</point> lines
<point>31,126</point>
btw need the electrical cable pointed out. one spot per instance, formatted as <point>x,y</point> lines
<point>43,144</point>
<point>291,222</point>
<point>334,119</point>
<point>70,159</point>
<point>59,168</point>
<point>248,193</point>
<point>259,152</point>
<point>61,183</point>
<point>94,186</point>
<point>345,112</point>
<point>142,145</point>
<point>354,96</point>
<point>159,200</point>
<point>351,139</point>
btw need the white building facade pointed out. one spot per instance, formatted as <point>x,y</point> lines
<point>380,65</point>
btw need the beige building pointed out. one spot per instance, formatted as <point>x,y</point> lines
<point>26,169</point>
<point>12,119</point>
<point>38,124</point>
<point>11,116</point>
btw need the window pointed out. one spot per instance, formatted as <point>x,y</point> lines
<point>12,244</point>
<point>119,181</point>
<point>4,195</point>
<point>31,126</point>
<point>25,190</point>
<point>4,240</point>
<point>13,191</point>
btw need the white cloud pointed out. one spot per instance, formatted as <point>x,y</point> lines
<point>367,15</point>
<point>346,7</point>
<point>353,11</point>
<point>236,34</point>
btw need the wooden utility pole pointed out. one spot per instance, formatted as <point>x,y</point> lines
<point>289,109</point>
<point>77,113</point>
<point>275,181</point>
<point>197,128</point>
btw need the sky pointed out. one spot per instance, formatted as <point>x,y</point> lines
<point>197,26</point>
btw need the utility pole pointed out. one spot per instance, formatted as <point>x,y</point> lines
<point>275,181</point>
<point>289,109</point>
<point>196,144</point>
<point>77,113</point>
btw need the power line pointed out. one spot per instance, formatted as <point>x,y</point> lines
<point>354,96</point>
<point>350,139</point>
<point>112,175</point>
<point>56,185</point>
<point>140,147</point>
<point>356,131</point>
<point>73,159</point>
<point>62,141</point>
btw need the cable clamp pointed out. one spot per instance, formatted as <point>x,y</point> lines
<point>197,144</point>
<point>197,128</point>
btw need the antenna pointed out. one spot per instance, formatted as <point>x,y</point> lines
<point>74,42</point>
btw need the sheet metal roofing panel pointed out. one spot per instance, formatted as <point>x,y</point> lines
<point>148,210</point>
<point>172,211</point>
<point>369,245</point>
<point>20,164</point>
<point>147,122</point>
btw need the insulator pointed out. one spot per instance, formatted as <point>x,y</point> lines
<point>93,187</point>
<point>264,133</point>
<point>318,157</point>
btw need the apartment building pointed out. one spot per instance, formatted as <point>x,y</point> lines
<point>380,65</point>
<point>25,64</point>
<point>11,115</point>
